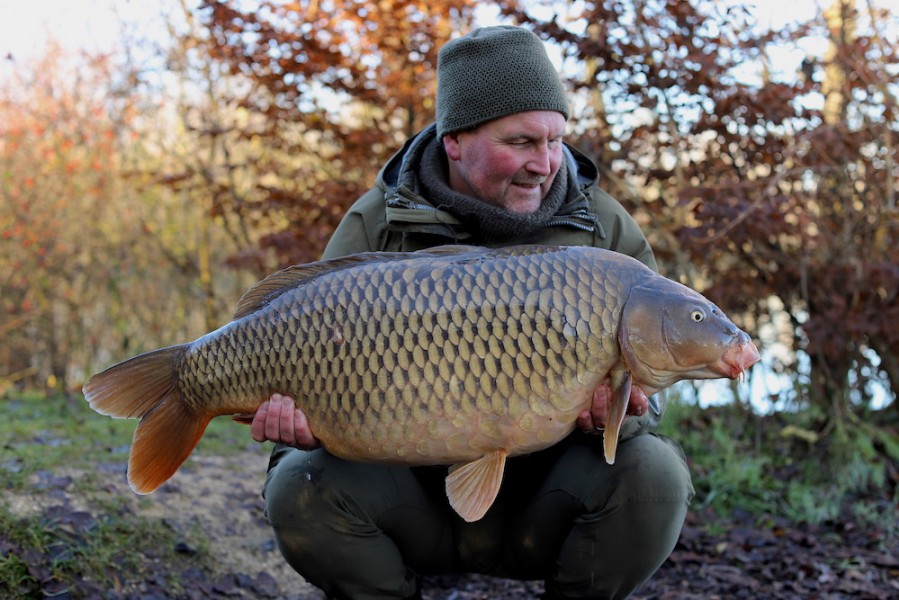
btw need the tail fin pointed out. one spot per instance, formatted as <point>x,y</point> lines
<point>146,386</point>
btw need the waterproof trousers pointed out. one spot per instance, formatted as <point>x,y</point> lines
<point>588,529</point>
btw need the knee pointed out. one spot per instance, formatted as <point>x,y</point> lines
<point>302,486</point>
<point>654,469</point>
<point>311,501</point>
<point>647,500</point>
<point>636,507</point>
<point>654,493</point>
<point>643,497</point>
<point>648,469</point>
<point>309,488</point>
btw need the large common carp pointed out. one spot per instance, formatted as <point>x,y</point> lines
<point>455,355</point>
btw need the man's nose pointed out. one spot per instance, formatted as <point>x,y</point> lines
<point>540,161</point>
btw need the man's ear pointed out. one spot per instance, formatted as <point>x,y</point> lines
<point>452,146</point>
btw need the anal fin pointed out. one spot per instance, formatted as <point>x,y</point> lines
<point>472,487</point>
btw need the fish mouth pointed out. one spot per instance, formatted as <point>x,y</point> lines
<point>737,359</point>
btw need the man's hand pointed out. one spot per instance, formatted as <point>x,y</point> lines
<point>279,420</point>
<point>595,419</point>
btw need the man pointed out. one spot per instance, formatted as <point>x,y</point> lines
<point>493,170</point>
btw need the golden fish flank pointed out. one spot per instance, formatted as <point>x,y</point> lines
<point>456,355</point>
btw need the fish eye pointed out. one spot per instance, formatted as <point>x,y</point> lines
<point>697,316</point>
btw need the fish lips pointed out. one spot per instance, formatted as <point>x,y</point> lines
<point>739,357</point>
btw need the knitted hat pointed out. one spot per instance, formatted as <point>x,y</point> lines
<point>493,72</point>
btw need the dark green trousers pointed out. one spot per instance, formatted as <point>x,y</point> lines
<point>590,530</point>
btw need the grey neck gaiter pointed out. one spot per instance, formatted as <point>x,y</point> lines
<point>484,220</point>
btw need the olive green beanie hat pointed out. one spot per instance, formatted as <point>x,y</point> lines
<point>493,72</point>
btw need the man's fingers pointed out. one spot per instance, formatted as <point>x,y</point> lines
<point>585,421</point>
<point>597,417</point>
<point>638,403</point>
<point>304,437</point>
<point>272,423</point>
<point>284,427</point>
<point>257,427</point>
<point>602,396</point>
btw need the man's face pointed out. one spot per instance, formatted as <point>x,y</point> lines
<point>510,162</point>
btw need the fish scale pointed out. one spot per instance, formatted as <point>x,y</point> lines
<point>458,355</point>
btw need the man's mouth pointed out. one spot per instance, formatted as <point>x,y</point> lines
<point>529,184</point>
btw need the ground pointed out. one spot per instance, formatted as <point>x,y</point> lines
<point>218,498</point>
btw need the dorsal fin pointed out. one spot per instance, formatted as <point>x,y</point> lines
<point>452,249</point>
<point>478,252</point>
<point>286,279</point>
<point>276,284</point>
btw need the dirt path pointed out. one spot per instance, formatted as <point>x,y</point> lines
<point>218,499</point>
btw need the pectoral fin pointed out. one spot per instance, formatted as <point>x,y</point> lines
<point>472,487</point>
<point>621,396</point>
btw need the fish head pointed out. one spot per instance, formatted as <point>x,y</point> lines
<point>670,332</point>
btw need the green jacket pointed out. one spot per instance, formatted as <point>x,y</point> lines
<point>394,216</point>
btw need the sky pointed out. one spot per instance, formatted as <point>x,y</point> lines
<point>89,24</point>
<point>95,24</point>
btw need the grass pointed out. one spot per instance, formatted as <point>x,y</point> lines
<point>49,553</point>
<point>778,466</point>
<point>45,432</point>
<point>47,549</point>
